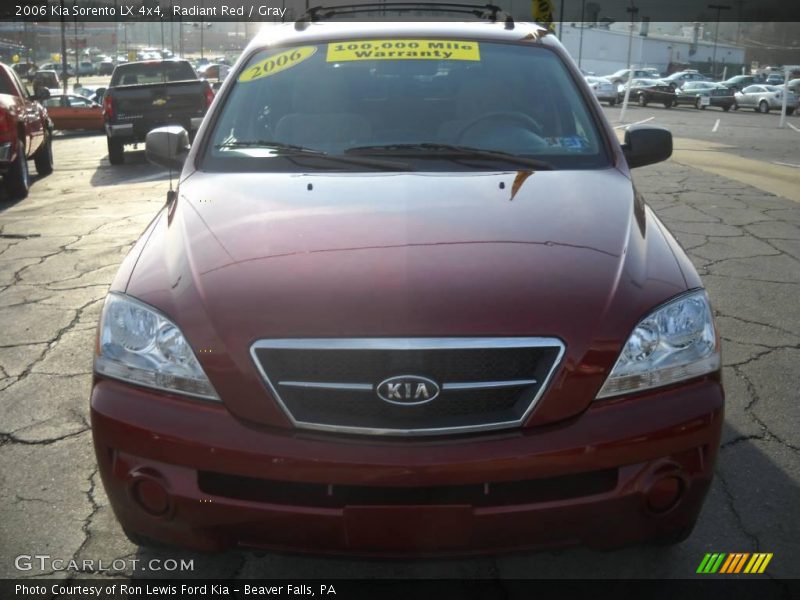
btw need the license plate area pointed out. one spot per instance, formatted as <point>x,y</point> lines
<point>408,528</point>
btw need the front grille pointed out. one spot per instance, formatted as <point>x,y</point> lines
<point>503,493</point>
<point>332,384</point>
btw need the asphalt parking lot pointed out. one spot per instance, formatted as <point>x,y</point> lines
<point>731,195</point>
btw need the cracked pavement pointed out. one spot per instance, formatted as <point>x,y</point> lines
<point>60,248</point>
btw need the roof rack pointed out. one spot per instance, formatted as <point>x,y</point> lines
<point>480,11</point>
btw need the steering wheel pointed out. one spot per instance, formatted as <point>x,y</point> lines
<point>511,116</point>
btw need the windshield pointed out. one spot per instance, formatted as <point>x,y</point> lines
<point>422,100</point>
<point>152,72</point>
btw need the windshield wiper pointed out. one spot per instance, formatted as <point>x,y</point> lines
<point>450,150</point>
<point>293,150</point>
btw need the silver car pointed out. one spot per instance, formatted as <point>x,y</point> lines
<point>603,89</point>
<point>762,98</point>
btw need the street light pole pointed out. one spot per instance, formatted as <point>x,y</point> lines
<point>632,10</point>
<point>580,41</point>
<point>719,8</point>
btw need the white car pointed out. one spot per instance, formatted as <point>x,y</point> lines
<point>764,97</point>
<point>603,89</point>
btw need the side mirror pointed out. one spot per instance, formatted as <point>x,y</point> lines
<point>646,145</point>
<point>167,147</point>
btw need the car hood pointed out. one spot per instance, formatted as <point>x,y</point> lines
<point>567,254</point>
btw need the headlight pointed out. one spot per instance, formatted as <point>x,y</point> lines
<point>140,345</point>
<point>675,342</point>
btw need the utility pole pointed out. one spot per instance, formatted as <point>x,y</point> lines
<point>63,48</point>
<point>561,20</point>
<point>631,10</point>
<point>719,8</point>
<point>580,41</point>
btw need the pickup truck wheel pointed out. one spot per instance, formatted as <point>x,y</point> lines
<point>116,152</point>
<point>43,157</point>
<point>17,178</point>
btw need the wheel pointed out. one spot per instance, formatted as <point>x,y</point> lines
<point>519,117</point>
<point>668,104</point>
<point>726,108</point>
<point>612,102</point>
<point>116,151</point>
<point>735,105</point>
<point>698,104</point>
<point>17,178</point>
<point>789,110</point>
<point>641,100</point>
<point>43,157</point>
<point>763,107</point>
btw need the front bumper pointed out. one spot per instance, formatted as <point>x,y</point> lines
<point>221,483</point>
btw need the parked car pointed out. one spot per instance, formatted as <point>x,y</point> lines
<point>763,98</point>
<point>70,111</point>
<point>393,311</point>
<point>739,82</point>
<point>774,79</point>
<point>701,94</point>
<point>46,78</point>
<point>622,75</point>
<point>794,86</point>
<point>678,79</point>
<point>24,70</point>
<point>105,67</point>
<point>86,67</point>
<point>144,95</point>
<point>645,91</point>
<point>25,134</point>
<point>58,68</point>
<point>603,89</point>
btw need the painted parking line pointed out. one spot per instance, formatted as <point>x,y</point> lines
<point>793,127</point>
<point>636,123</point>
<point>775,162</point>
<point>716,126</point>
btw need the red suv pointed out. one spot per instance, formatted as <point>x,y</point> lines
<point>26,133</point>
<point>406,301</point>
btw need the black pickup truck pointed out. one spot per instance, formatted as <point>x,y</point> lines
<point>149,94</point>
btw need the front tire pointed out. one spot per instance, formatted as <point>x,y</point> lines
<point>641,100</point>
<point>763,107</point>
<point>43,157</point>
<point>668,104</point>
<point>17,178</point>
<point>612,102</point>
<point>698,104</point>
<point>726,108</point>
<point>116,151</point>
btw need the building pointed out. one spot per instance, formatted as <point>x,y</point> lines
<point>603,50</point>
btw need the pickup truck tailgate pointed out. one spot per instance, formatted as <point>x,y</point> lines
<point>159,102</point>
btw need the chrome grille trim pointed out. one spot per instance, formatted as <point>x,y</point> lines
<point>368,387</point>
<point>353,387</point>
<point>452,343</point>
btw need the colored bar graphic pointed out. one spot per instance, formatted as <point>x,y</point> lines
<point>733,563</point>
<point>728,564</point>
<point>740,564</point>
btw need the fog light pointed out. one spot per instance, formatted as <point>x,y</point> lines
<point>151,496</point>
<point>664,494</point>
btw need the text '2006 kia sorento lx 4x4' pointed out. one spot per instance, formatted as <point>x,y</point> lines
<point>405,301</point>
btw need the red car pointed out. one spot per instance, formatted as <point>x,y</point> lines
<point>406,301</point>
<point>25,133</point>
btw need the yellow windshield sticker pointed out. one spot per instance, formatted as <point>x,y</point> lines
<point>403,50</point>
<point>277,63</point>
